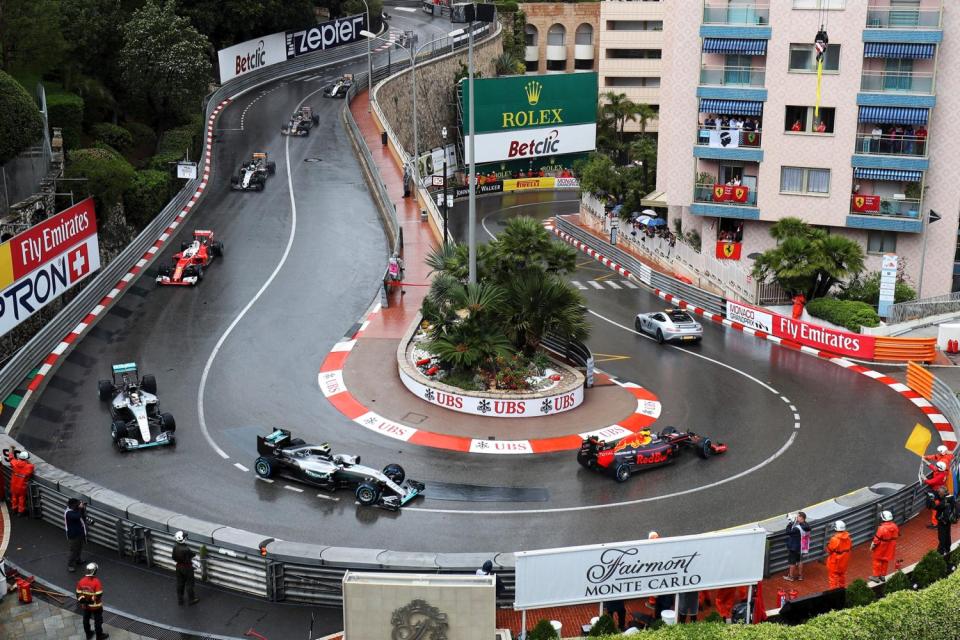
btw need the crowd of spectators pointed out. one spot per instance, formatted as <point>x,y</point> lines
<point>896,139</point>
<point>722,122</point>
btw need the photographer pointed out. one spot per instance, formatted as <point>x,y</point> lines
<point>798,539</point>
<point>75,524</point>
<point>944,507</point>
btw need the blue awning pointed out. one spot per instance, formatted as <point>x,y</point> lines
<point>893,175</point>
<point>893,115</point>
<point>735,46</point>
<point>731,107</point>
<point>898,50</point>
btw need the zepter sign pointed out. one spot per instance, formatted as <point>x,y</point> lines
<point>39,264</point>
<point>252,55</point>
<point>327,35</point>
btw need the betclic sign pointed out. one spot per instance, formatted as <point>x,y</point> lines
<point>620,570</point>
<point>41,263</point>
<point>526,144</point>
<point>255,54</point>
<point>530,102</point>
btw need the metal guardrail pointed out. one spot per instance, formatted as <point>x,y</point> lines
<point>574,351</point>
<point>917,309</point>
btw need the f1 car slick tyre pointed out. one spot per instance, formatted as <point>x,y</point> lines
<point>271,168</point>
<point>167,422</point>
<point>705,450</point>
<point>659,336</point>
<point>263,467</point>
<point>622,473</point>
<point>395,472</point>
<point>149,383</point>
<point>367,494</point>
<point>105,390</point>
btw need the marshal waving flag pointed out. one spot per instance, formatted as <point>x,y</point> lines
<point>39,264</point>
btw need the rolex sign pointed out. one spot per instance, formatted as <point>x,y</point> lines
<point>533,116</point>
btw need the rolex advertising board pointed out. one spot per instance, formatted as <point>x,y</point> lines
<point>526,117</point>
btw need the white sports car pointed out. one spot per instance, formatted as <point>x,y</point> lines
<point>669,325</point>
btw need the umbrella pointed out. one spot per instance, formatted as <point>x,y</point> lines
<point>657,222</point>
<point>649,212</point>
<point>644,220</point>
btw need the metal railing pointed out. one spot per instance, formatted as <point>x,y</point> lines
<point>741,13</point>
<point>703,192</point>
<point>896,82</point>
<point>574,351</point>
<point>827,5</point>
<point>745,139</point>
<point>733,76</point>
<point>888,145</point>
<point>917,309</point>
<point>906,18</point>
<point>896,207</point>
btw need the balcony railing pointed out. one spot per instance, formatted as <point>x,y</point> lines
<point>743,14</point>
<point>861,205</point>
<point>906,18</point>
<point>829,5</point>
<point>896,82</point>
<point>735,196</point>
<point>713,137</point>
<point>733,76</point>
<point>888,145</point>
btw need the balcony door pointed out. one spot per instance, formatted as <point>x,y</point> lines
<point>904,13</point>
<point>741,12</point>
<point>899,74</point>
<point>736,70</point>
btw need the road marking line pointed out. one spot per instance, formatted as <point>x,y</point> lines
<point>241,467</point>
<point>796,416</point>
<point>297,489</point>
<point>628,284</point>
<point>577,284</point>
<point>324,496</point>
<point>595,284</point>
<point>793,408</point>
<point>785,399</point>
<point>267,480</point>
<point>613,285</point>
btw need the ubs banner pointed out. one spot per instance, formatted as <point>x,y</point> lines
<point>527,117</point>
<point>638,569</point>
<point>39,264</point>
<point>260,52</point>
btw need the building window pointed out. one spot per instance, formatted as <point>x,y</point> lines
<point>610,81</point>
<point>634,25</point>
<point>881,241</point>
<point>556,35</point>
<point>800,119</point>
<point>804,180</point>
<point>803,57</point>
<point>530,35</point>
<point>584,34</point>
<point>614,54</point>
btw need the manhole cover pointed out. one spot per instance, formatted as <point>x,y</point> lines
<point>312,159</point>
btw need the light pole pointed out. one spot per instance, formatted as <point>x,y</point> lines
<point>928,219</point>
<point>369,59</point>
<point>413,80</point>
<point>472,209</point>
<point>443,134</point>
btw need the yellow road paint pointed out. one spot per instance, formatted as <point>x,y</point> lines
<point>608,357</point>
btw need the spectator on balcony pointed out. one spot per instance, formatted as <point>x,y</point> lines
<point>921,135</point>
<point>797,126</point>
<point>909,140</point>
<point>886,141</point>
<point>710,121</point>
<point>724,122</point>
<point>897,139</point>
<point>821,127</point>
<point>735,123</point>
<point>750,125</point>
<point>875,136</point>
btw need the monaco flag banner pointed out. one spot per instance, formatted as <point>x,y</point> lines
<point>39,264</point>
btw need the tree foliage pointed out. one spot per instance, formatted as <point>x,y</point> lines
<point>164,61</point>
<point>866,288</point>
<point>20,123</point>
<point>30,37</point>
<point>107,174</point>
<point>227,22</point>
<point>808,260</point>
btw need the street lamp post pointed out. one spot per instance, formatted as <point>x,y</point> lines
<point>443,134</point>
<point>369,59</point>
<point>472,209</point>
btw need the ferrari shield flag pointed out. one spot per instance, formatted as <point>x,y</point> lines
<point>919,440</point>
<point>728,250</point>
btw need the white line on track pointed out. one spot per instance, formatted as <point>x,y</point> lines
<point>407,9</point>
<point>324,496</point>
<point>241,467</point>
<point>290,488</point>
<point>483,222</point>
<point>226,334</point>
<point>267,480</point>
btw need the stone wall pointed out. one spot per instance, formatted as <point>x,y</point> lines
<point>435,95</point>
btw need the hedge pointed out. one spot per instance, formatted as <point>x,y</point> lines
<point>175,142</point>
<point>930,614</point>
<point>20,123</point>
<point>113,135</point>
<point>108,174</point>
<point>142,134</point>
<point>65,110</point>
<point>846,313</point>
<point>146,196</point>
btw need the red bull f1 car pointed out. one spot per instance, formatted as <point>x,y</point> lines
<point>191,260</point>
<point>643,450</point>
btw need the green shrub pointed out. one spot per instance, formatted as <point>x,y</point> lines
<point>897,582</point>
<point>931,568</point>
<point>179,140</point>
<point>713,617</point>
<point>108,174</point>
<point>146,196</point>
<point>603,627</point>
<point>65,110</point>
<point>866,288</point>
<point>543,631</point>
<point>954,559</point>
<point>143,135</point>
<point>113,135</point>
<point>20,123</point>
<point>859,594</point>
<point>846,313</point>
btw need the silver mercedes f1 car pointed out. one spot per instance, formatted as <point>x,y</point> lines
<point>135,410</point>
<point>317,465</point>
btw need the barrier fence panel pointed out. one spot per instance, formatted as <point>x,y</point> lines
<point>916,309</point>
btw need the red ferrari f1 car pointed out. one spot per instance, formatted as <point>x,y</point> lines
<point>191,260</point>
<point>643,450</point>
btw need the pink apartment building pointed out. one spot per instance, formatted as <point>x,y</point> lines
<point>737,107</point>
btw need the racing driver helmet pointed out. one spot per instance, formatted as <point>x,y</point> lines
<point>886,516</point>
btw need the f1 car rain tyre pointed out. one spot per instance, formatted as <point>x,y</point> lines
<point>117,428</point>
<point>395,472</point>
<point>149,383</point>
<point>217,249</point>
<point>260,186</point>
<point>263,468</point>
<point>234,180</point>
<point>367,494</point>
<point>583,460</point>
<point>316,119</point>
<point>167,422</point>
<point>659,336</point>
<point>705,450</point>
<point>271,168</point>
<point>105,390</point>
<point>622,473</point>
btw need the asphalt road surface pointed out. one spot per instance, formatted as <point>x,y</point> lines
<point>239,355</point>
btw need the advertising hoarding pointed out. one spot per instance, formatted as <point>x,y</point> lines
<point>39,264</point>
<point>533,143</point>
<point>620,570</point>
<point>326,35</point>
<point>530,102</point>
<point>888,283</point>
<point>251,55</point>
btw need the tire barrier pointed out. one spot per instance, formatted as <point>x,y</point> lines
<point>889,349</point>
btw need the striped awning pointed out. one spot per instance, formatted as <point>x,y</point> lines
<point>893,175</point>
<point>740,46</point>
<point>731,107</point>
<point>893,115</point>
<point>898,50</point>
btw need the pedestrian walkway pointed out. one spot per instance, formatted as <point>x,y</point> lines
<point>41,620</point>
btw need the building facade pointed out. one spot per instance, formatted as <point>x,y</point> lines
<point>561,37</point>
<point>741,144</point>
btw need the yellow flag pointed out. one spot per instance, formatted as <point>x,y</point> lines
<point>816,105</point>
<point>919,440</point>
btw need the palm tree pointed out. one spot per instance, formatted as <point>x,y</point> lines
<point>838,258</point>
<point>790,226</point>
<point>537,304</point>
<point>469,346</point>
